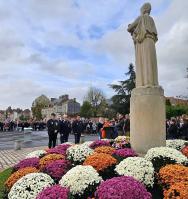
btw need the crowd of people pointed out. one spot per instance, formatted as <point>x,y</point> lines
<point>102,126</point>
<point>177,128</point>
<point>18,125</point>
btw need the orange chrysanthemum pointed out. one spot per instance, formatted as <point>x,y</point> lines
<point>49,158</point>
<point>177,191</point>
<point>100,161</point>
<point>185,151</point>
<point>105,149</point>
<point>19,174</point>
<point>172,174</point>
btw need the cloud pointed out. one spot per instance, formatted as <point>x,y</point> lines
<point>64,46</point>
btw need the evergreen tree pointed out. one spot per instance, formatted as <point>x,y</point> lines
<point>86,110</point>
<point>121,101</point>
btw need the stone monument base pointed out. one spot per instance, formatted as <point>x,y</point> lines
<point>147,115</point>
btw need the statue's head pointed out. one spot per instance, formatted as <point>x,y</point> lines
<point>146,8</point>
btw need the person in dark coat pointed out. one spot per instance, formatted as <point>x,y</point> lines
<point>99,127</point>
<point>126,126</point>
<point>64,129</point>
<point>184,129</point>
<point>78,129</point>
<point>120,125</point>
<point>52,126</point>
<point>173,129</point>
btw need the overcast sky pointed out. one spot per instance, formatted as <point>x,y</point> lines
<point>54,47</point>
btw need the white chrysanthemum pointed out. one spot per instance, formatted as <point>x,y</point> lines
<point>137,167</point>
<point>160,152</point>
<point>78,153</point>
<point>176,144</point>
<point>30,186</point>
<point>79,178</point>
<point>36,154</point>
<point>122,138</point>
<point>87,143</point>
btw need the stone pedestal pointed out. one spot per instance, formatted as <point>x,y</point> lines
<point>17,144</point>
<point>147,115</point>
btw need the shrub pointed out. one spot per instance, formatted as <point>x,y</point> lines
<point>48,159</point>
<point>78,153</point>
<point>105,149</point>
<point>30,186</point>
<point>54,192</point>
<point>99,143</point>
<point>60,149</point>
<point>57,168</point>
<point>36,154</point>
<point>172,174</point>
<point>121,188</point>
<point>161,156</point>
<point>81,180</point>
<point>103,163</point>
<point>121,154</point>
<point>29,162</point>
<point>177,191</point>
<point>185,151</point>
<point>137,167</point>
<point>19,174</point>
<point>175,144</point>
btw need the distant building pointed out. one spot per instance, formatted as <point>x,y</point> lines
<point>14,114</point>
<point>177,101</point>
<point>62,105</point>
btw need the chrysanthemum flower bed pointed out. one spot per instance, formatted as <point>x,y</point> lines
<point>185,151</point>
<point>101,170</point>
<point>105,149</point>
<point>103,163</point>
<point>19,174</point>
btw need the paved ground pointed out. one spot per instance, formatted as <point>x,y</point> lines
<point>39,138</point>
<point>9,157</point>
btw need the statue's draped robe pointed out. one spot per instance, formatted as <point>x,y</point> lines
<point>145,36</point>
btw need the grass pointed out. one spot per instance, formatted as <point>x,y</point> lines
<point>3,177</point>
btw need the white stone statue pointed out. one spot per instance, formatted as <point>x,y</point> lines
<point>144,35</point>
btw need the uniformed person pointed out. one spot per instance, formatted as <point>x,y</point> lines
<point>78,129</point>
<point>64,129</point>
<point>52,126</point>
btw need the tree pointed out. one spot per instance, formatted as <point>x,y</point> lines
<point>121,101</point>
<point>86,110</point>
<point>96,98</point>
<point>38,104</point>
<point>174,111</point>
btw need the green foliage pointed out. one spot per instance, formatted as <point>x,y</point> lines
<point>97,100</point>
<point>36,110</point>
<point>168,103</point>
<point>3,177</point>
<point>86,110</point>
<point>37,106</point>
<point>24,118</point>
<point>121,101</point>
<point>174,111</point>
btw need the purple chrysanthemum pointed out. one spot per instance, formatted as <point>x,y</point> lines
<point>55,192</point>
<point>119,187</point>
<point>125,153</point>
<point>57,168</point>
<point>60,149</point>
<point>99,143</point>
<point>29,162</point>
